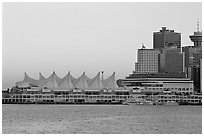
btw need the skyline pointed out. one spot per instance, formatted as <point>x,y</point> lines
<point>80,37</point>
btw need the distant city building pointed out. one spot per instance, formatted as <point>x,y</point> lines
<point>166,67</point>
<point>148,61</point>
<point>165,37</point>
<point>193,55</point>
<point>197,37</point>
<point>193,59</point>
<point>171,60</point>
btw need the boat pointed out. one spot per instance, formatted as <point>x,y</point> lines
<point>159,102</point>
<point>128,102</point>
<point>147,102</point>
<point>137,102</point>
<point>170,103</point>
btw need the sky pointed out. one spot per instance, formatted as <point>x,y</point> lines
<point>90,37</point>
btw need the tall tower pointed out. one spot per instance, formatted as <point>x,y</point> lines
<point>166,37</point>
<point>197,37</point>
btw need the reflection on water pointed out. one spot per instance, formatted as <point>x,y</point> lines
<point>101,119</point>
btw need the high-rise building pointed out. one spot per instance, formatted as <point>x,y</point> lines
<point>166,37</point>
<point>197,37</point>
<point>193,55</point>
<point>148,61</point>
<point>171,60</point>
<point>160,68</point>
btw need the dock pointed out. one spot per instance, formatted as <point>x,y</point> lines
<point>94,99</point>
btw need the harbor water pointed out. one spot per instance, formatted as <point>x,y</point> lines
<point>100,119</point>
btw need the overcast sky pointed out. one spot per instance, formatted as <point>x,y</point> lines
<point>90,37</point>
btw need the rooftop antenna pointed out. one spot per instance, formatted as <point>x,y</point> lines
<point>197,25</point>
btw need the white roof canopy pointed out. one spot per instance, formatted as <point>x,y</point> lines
<point>68,82</point>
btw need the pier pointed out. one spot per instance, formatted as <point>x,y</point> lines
<point>93,99</point>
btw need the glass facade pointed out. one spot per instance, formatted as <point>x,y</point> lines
<point>148,61</point>
<point>165,37</point>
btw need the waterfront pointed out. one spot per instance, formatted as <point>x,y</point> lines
<point>112,119</point>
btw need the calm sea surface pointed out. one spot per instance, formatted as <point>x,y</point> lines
<point>111,119</point>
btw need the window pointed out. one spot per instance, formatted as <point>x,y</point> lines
<point>183,89</point>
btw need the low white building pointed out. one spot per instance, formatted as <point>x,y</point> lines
<point>160,84</point>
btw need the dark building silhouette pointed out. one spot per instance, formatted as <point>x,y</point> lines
<point>165,37</point>
<point>193,55</point>
<point>193,59</point>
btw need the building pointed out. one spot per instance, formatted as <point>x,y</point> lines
<point>193,55</point>
<point>183,85</point>
<point>157,75</point>
<point>165,37</point>
<point>148,61</point>
<point>161,68</point>
<point>68,83</point>
<point>193,60</point>
<point>196,38</point>
<point>171,60</point>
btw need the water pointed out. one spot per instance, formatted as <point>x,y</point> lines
<point>111,119</point>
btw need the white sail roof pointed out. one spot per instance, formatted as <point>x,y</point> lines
<point>66,84</point>
<point>81,82</point>
<point>72,78</point>
<point>27,82</point>
<point>110,82</point>
<point>51,82</point>
<point>22,84</point>
<point>41,77</point>
<point>69,82</point>
<point>63,79</point>
<point>57,78</point>
<point>42,81</point>
<point>96,83</point>
<point>30,80</point>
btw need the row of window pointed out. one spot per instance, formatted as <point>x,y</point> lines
<point>67,96</point>
<point>172,89</point>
